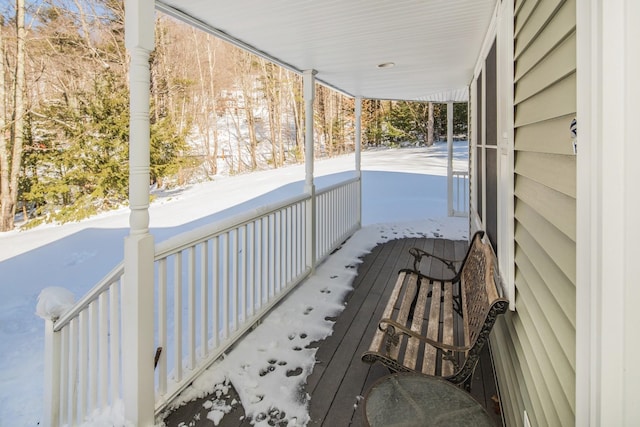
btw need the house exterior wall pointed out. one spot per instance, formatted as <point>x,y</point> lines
<point>534,346</point>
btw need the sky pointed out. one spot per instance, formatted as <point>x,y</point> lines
<point>404,195</point>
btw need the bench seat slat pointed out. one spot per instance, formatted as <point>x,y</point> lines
<point>447,325</point>
<point>413,346</point>
<point>378,338</point>
<point>405,309</point>
<point>433,325</point>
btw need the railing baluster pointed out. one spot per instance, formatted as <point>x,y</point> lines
<point>114,328</point>
<point>177,317</point>
<point>103,362</point>
<point>235,279</point>
<point>289,230</point>
<point>162,326</point>
<point>82,356</point>
<point>73,371</point>
<point>93,355</point>
<point>243,272</point>
<point>64,376</point>
<point>225,285</point>
<point>191,306</point>
<point>259,261</point>
<point>271,254</point>
<point>282,241</point>
<point>204,299</point>
<point>277,252</point>
<point>251,288</point>
<point>215,283</point>
<point>294,237</point>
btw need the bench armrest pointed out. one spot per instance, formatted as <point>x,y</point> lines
<point>418,253</point>
<point>394,329</point>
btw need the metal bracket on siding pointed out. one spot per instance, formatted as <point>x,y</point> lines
<point>573,127</point>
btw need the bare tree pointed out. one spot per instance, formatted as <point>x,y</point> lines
<point>13,150</point>
<point>244,71</point>
<point>272,82</point>
<point>430,126</point>
<point>4,150</point>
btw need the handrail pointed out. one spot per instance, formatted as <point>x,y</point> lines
<point>102,286</point>
<point>205,232</point>
<point>338,185</point>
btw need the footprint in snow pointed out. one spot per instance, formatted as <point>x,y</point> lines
<point>294,372</point>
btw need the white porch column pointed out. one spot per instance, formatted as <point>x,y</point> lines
<point>51,404</point>
<point>450,158</point>
<point>358,140</point>
<point>358,147</point>
<point>309,82</point>
<point>137,293</point>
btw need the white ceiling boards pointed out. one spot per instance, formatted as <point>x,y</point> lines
<point>433,44</point>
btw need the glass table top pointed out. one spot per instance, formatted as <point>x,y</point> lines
<point>407,399</point>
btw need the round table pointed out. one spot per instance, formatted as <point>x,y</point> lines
<point>407,399</point>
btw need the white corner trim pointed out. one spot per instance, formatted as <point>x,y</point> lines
<point>608,232</point>
<point>506,146</point>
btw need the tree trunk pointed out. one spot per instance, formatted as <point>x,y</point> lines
<point>270,94</point>
<point>213,119</point>
<point>430,126</point>
<point>9,196</point>
<point>298,113</point>
<point>5,196</point>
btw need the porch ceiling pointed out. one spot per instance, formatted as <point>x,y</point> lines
<point>433,43</point>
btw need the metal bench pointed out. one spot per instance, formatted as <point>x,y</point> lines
<point>436,326</point>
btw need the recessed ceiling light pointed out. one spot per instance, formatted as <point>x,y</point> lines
<point>387,65</point>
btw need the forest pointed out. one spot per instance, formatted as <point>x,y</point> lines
<point>215,109</point>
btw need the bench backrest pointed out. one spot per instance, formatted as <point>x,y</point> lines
<point>481,301</point>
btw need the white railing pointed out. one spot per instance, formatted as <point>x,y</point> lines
<point>211,286</point>
<point>82,354</point>
<point>460,193</point>
<point>336,208</point>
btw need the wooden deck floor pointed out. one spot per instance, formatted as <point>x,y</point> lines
<point>340,378</point>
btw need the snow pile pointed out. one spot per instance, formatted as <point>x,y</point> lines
<point>53,302</point>
<point>112,416</point>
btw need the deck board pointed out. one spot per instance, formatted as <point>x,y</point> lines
<point>340,378</point>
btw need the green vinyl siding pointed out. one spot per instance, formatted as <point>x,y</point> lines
<point>548,137</point>
<point>559,28</point>
<point>551,170</point>
<point>534,347</point>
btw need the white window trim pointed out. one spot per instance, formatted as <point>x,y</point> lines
<point>500,30</point>
<point>506,155</point>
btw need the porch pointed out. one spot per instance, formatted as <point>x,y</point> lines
<point>212,285</point>
<point>339,378</point>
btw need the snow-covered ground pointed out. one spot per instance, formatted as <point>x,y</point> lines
<point>404,194</point>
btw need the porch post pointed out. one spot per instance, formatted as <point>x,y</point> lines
<point>309,82</point>
<point>51,404</point>
<point>358,142</point>
<point>137,292</point>
<point>450,158</point>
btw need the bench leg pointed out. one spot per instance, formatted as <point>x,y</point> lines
<point>467,383</point>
